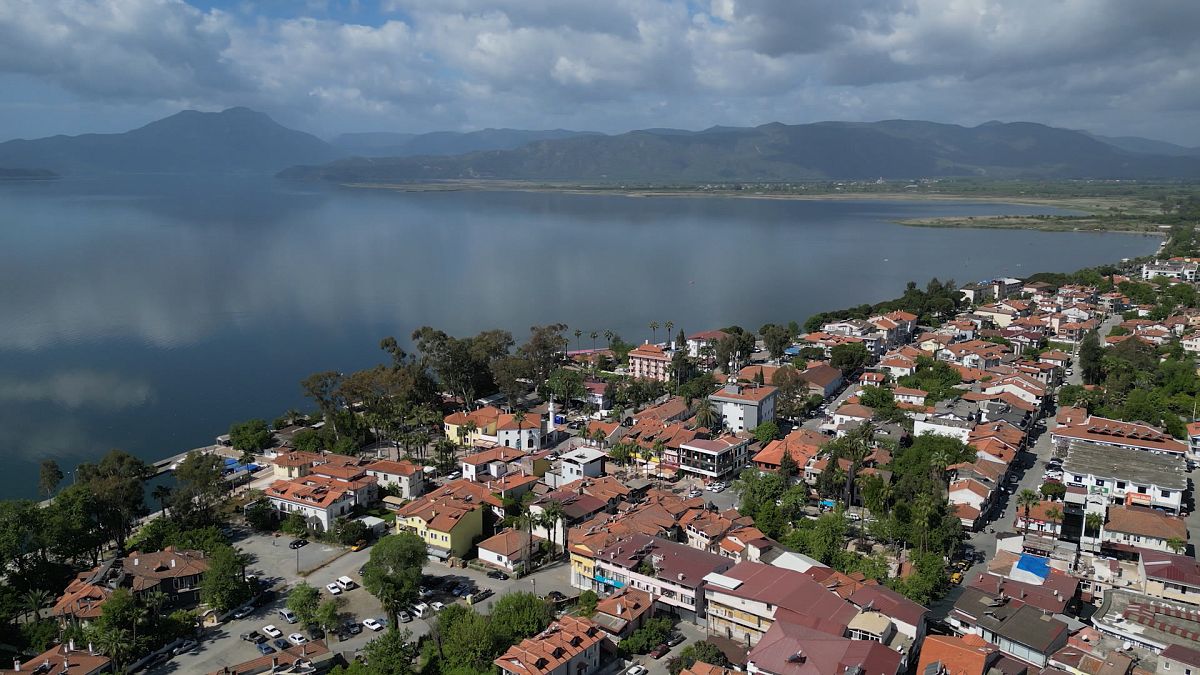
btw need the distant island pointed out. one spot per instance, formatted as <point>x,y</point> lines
<point>27,174</point>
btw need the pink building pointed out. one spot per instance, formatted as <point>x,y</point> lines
<point>649,362</point>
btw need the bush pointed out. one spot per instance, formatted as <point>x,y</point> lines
<point>294,524</point>
<point>587,602</point>
<point>652,633</point>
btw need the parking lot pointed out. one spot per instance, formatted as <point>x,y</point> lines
<point>275,563</point>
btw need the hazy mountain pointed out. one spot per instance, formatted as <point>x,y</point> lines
<point>889,149</point>
<point>388,144</point>
<point>235,140</point>
<point>1147,146</point>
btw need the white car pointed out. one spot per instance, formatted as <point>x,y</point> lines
<point>297,639</point>
<point>373,625</point>
<point>271,631</point>
<point>636,670</point>
<point>333,588</point>
<point>436,606</point>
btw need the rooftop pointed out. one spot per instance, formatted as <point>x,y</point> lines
<point>1135,466</point>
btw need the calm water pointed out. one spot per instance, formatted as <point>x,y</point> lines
<point>147,315</point>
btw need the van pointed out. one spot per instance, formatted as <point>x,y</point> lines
<point>421,610</point>
<point>345,583</point>
<point>288,615</point>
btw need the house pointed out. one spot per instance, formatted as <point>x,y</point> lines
<point>970,498</point>
<point>320,500</point>
<point>944,424</point>
<point>952,655</point>
<point>1142,528</point>
<point>1022,631</point>
<point>672,573</point>
<point>509,550</point>
<point>796,649</point>
<point>582,462</point>
<point>623,612</point>
<point>175,572</point>
<point>822,378</point>
<point>449,520</point>
<point>1117,433</point>
<point>742,407</point>
<point>909,395</point>
<point>802,444</point>
<point>746,600</point>
<point>1122,475</point>
<point>1169,269</point>
<point>569,646</point>
<point>472,426</point>
<point>519,430</point>
<point>407,478</point>
<point>649,362</point>
<point>1171,577</point>
<point>701,345</point>
<point>1193,432</point>
<point>63,659</point>
<point>1179,660</point>
<point>294,464</point>
<point>714,458</point>
<point>490,464</point>
<point>852,414</point>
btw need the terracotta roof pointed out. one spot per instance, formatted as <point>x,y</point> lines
<point>443,508</point>
<point>967,655</point>
<point>81,599</point>
<point>147,569</point>
<point>708,335</point>
<point>483,417</point>
<point>62,660</point>
<point>401,468</point>
<point>285,657</point>
<point>1171,567</point>
<point>1117,432</point>
<point>702,668</point>
<point>296,458</point>
<point>794,591</point>
<point>821,374</point>
<point>626,605</point>
<point>649,351</point>
<point>551,649</point>
<point>821,653</point>
<point>507,422</point>
<point>750,373</point>
<point>319,491</point>
<point>754,393</point>
<point>855,410</point>
<point>1146,522</point>
<point>802,444</point>
<point>1183,654</point>
<point>497,454</point>
<point>510,543</point>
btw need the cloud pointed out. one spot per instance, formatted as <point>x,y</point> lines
<point>416,66</point>
<point>78,389</point>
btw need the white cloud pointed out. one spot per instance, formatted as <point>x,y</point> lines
<point>77,389</point>
<point>417,65</point>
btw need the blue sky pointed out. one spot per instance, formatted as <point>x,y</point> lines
<point>327,66</point>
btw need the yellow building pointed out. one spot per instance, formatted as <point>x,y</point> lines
<point>449,520</point>
<point>475,425</point>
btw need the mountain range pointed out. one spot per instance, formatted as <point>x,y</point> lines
<point>242,140</point>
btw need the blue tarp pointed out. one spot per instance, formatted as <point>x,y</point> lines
<point>792,351</point>
<point>828,503</point>
<point>1034,565</point>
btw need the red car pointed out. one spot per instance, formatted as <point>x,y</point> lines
<point>660,650</point>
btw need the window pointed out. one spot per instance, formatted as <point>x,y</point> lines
<point>1100,482</point>
<point>1142,490</point>
<point>1120,485</point>
<point>1166,494</point>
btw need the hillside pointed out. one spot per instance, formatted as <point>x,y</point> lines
<point>235,140</point>
<point>774,152</point>
<point>387,144</point>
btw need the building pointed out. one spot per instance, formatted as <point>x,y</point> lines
<point>83,599</point>
<point>1179,660</point>
<point>1169,269</point>
<point>449,520</point>
<point>470,427</point>
<point>1138,527</point>
<point>1022,631</point>
<point>582,462</point>
<point>490,464</point>
<point>744,407</point>
<point>951,655</point>
<point>320,500</point>
<point>797,649</point>
<point>63,659</point>
<point>175,572</point>
<point>714,458</point>
<point>1172,577</point>
<point>623,612</point>
<point>570,646</point>
<point>745,601</point>
<point>1116,433</point>
<point>407,478</point>
<point>509,550</point>
<point>519,430</point>
<point>822,379</point>
<point>1148,622</point>
<point>649,362</point>
<point>702,345</point>
<point>1123,475</point>
<point>670,572</point>
<point>802,444</point>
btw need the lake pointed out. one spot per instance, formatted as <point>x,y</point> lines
<point>149,313</point>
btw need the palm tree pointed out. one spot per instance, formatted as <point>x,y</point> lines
<point>1176,545</point>
<point>668,326</point>
<point>1093,522</point>
<point>660,448</point>
<point>654,330</point>
<point>552,514</point>
<point>1054,514</point>
<point>647,455</point>
<point>706,414</point>
<point>154,602</point>
<point>608,336</point>
<point>594,335</point>
<point>578,334</point>
<point>519,418</point>
<point>1027,499</point>
<point>116,644</point>
<point>470,428</point>
<point>161,494</point>
<point>34,600</point>
<point>599,437</point>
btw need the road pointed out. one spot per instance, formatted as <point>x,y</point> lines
<point>222,646</point>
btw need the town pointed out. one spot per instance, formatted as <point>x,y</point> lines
<point>993,478</point>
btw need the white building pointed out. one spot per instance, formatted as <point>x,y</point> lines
<point>582,462</point>
<point>407,477</point>
<point>714,458</point>
<point>744,407</point>
<point>1126,476</point>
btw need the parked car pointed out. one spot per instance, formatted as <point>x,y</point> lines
<point>675,639</point>
<point>660,651</point>
<point>359,545</point>
<point>288,615</point>
<point>297,639</point>
<point>315,632</point>
<point>555,596</point>
<point>271,631</point>
<point>243,611</point>
<point>436,606</point>
<point>497,574</point>
<point>419,610</point>
<point>403,617</point>
<point>298,543</point>
<point>333,588</point>
<point>636,670</point>
<point>345,583</point>
<point>352,627</point>
<point>373,624</point>
<point>479,595</point>
<point>265,649</point>
<point>254,636</point>
<point>281,644</point>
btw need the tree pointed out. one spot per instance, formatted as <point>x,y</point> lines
<point>706,414</point>
<point>49,477</point>
<point>117,487</point>
<point>516,616</point>
<point>224,586</point>
<point>1092,522</point>
<point>1027,499</point>
<point>200,487</point>
<point>1053,490</point>
<point>116,644</point>
<point>1176,545</point>
<point>552,517</point>
<point>849,357</point>
<point>466,639</point>
<point>508,373</point>
<point>587,602</point>
<point>1090,354</point>
<point>326,614</point>
<point>1054,514</point>
<point>652,633</point>
<point>766,432</point>
<point>250,436</point>
<point>392,653</point>
<point>393,572</point>
<point>566,384</point>
<point>788,468</point>
<point>654,331</point>
<point>776,339</point>
<point>543,351</point>
<point>323,389</point>
<point>304,600</point>
<point>703,652</point>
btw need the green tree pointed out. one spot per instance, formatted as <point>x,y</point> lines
<point>587,602</point>
<point>49,477</point>
<point>788,467</point>
<point>250,436</point>
<point>652,633</point>
<point>392,653</point>
<point>706,414</point>
<point>117,487</point>
<point>703,652</point>
<point>304,600</point>
<point>224,586</point>
<point>1053,490</point>
<point>1176,545</point>
<point>776,339</point>
<point>327,613</point>
<point>1090,354</point>
<point>849,357</point>
<point>200,487</point>
<point>766,432</point>
<point>467,640</point>
<point>516,616</point>
<point>393,572</point>
<point>1027,499</point>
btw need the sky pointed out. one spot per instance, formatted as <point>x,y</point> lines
<point>331,66</point>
